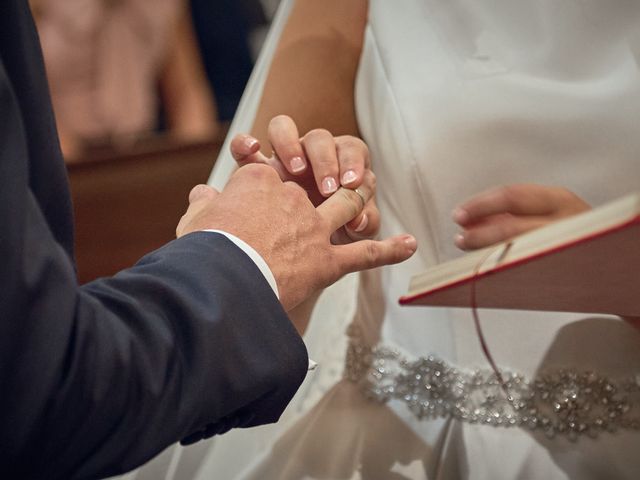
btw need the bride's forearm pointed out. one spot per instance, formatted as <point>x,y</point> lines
<point>313,72</point>
<point>301,314</point>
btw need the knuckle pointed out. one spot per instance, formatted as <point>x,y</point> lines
<point>317,133</point>
<point>199,192</point>
<point>323,154</point>
<point>347,142</point>
<point>352,150</point>
<point>258,172</point>
<point>373,253</point>
<point>295,191</point>
<point>195,190</point>
<point>325,165</point>
<point>352,143</point>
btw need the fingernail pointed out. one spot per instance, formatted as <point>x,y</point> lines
<point>297,164</point>
<point>411,243</point>
<point>458,239</point>
<point>329,185</point>
<point>250,142</point>
<point>460,216</point>
<point>348,177</point>
<point>363,223</point>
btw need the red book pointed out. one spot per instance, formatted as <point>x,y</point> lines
<point>588,263</point>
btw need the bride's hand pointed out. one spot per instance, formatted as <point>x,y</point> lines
<point>320,163</point>
<point>504,212</point>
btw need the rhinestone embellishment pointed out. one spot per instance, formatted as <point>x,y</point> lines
<point>567,403</point>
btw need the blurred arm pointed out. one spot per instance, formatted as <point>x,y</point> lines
<point>188,100</point>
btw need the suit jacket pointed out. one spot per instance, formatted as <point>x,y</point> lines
<point>97,379</point>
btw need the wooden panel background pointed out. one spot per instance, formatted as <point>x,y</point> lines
<point>127,204</point>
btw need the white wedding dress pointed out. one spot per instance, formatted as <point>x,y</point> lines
<point>454,97</point>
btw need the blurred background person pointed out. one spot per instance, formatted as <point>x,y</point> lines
<point>121,70</point>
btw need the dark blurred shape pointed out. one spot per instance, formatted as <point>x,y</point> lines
<point>223,29</point>
<point>126,203</point>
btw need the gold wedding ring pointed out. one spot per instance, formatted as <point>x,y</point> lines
<point>361,195</point>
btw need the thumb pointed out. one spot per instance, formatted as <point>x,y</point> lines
<point>366,254</point>
<point>202,192</point>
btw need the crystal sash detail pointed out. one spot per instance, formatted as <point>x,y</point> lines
<point>566,402</point>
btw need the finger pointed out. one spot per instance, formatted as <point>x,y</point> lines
<point>283,135</point>
<point>346,204</point>
<point>274,162</point>
<point>367,254</point>
<point>522,199</point>
<point>366,224</point>
<point>320,147</point>
<point>202,192</point>
<point>198,196</point>
<point>245,150</point>
<point>243,145</point>
<point>498,228</point>
<point>182,223</point>
<point>353,159</point>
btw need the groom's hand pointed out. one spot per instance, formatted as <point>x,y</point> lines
<point>279,221</point>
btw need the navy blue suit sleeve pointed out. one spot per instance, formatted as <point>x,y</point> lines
<point>97,379</point>
<point>187,343</point>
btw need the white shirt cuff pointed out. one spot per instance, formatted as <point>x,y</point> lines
<point>255,256</point>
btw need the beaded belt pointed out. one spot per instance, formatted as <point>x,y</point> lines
<point>564,402</point>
